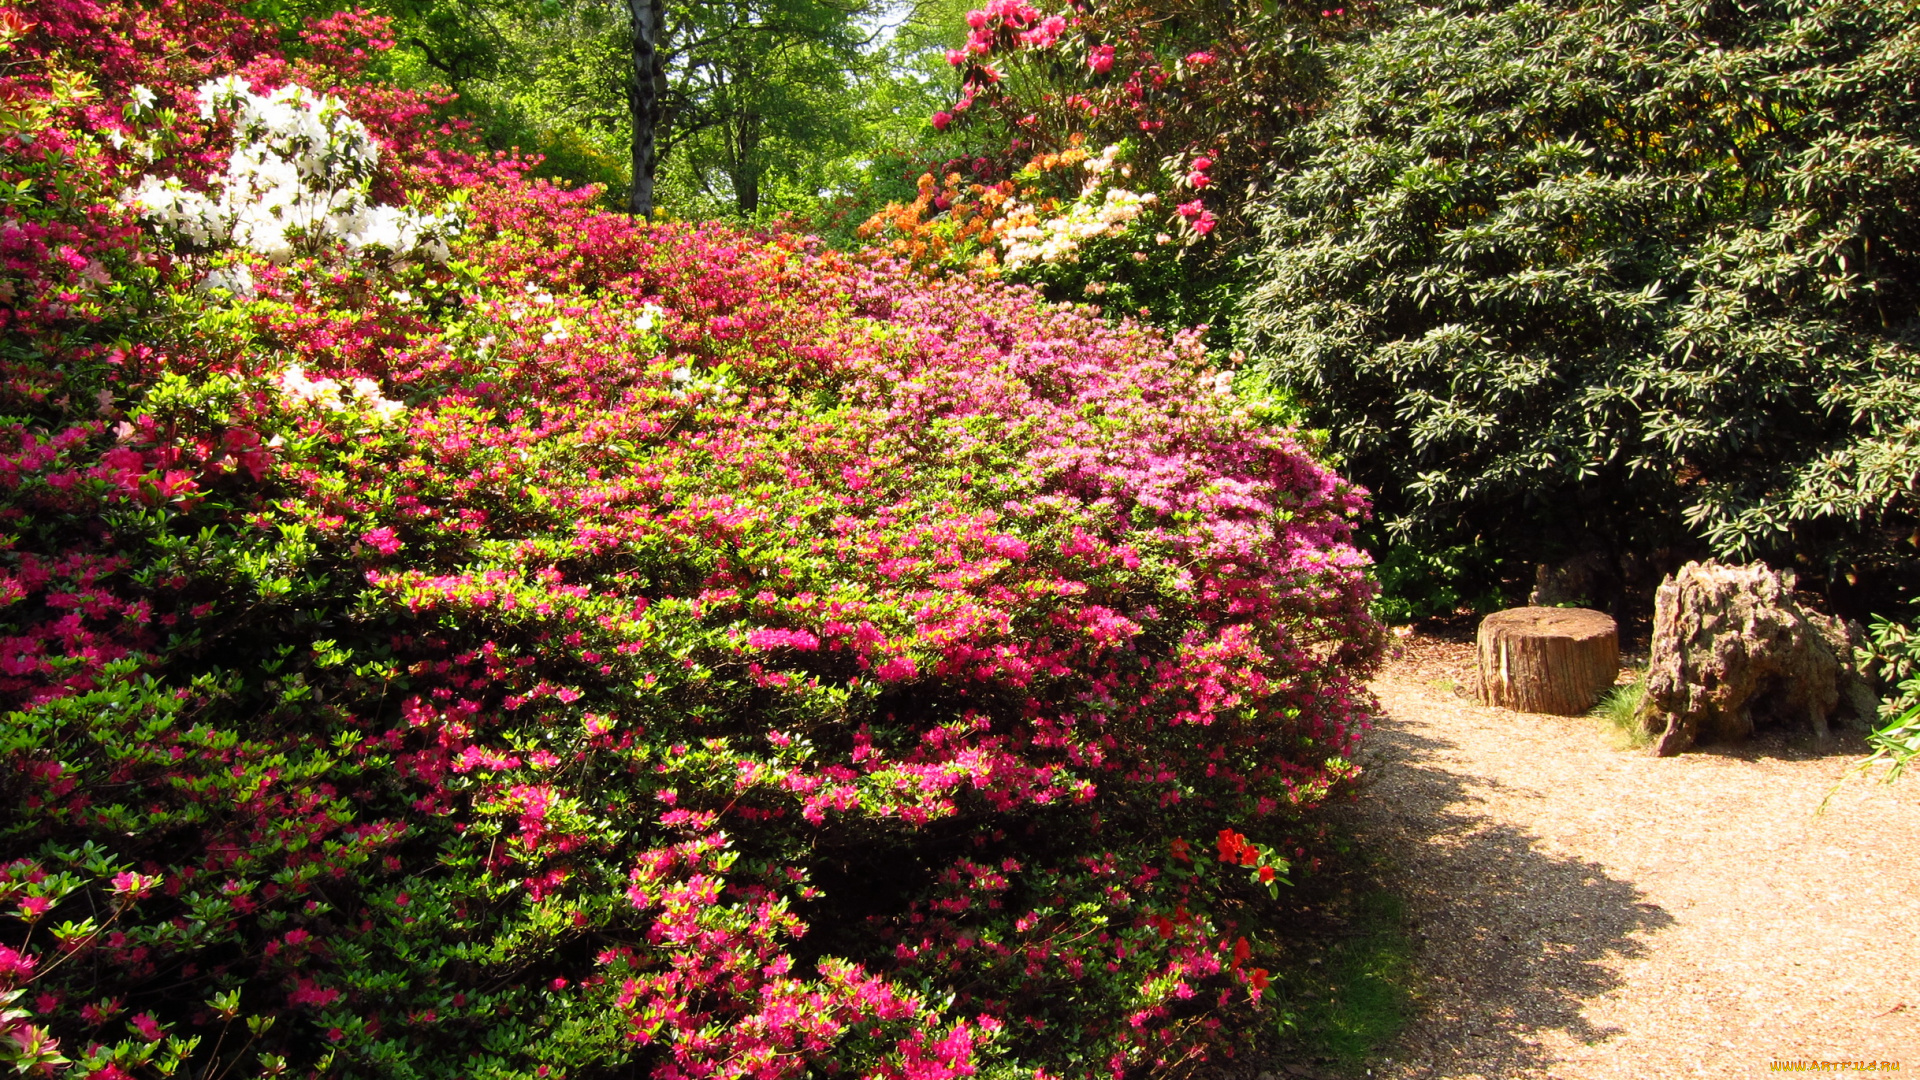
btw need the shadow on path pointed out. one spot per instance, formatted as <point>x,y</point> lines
<point>1511,940</point>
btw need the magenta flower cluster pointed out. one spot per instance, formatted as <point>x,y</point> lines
<point>681,650</point>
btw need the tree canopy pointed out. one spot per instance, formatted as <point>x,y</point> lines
<point>756,100</point>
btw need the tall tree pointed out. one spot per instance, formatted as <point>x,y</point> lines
<point>766,103</point>
<point>643,100</point>
<point>758,92</point>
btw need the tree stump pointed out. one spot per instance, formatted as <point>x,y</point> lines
<point>1547,659</point>
<point>1732,648</point>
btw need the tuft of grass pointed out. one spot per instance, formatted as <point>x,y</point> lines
<point>1620,708</point>
<point>1367,1003</point>
<point>1353,998</point>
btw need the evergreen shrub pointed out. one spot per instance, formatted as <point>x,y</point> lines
<point>1616,277</point>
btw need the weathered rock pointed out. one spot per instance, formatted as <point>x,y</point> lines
<point>1547,659</point>
<point>1579,580</point>
<point>1732,649</point>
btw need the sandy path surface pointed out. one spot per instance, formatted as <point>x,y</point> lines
<point>1588,913</point>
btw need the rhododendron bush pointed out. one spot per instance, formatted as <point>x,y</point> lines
<point>1195,98</point>
<point>1204,90</point>
<point>616,648</point>
<point>1074,224</point>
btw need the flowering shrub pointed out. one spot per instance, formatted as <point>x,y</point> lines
<point>1204,91</point>
<point>300,174</point>
<point>620,647</point>
<point>1016,223</point>
<point>1099,245</point>
<point>949,226</point>
<point>1200,97</point>
<point>1099,212</point>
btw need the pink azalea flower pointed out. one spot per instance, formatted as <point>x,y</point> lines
<point>132,886</point>
<point>381,539</point>
<point>14,966</point>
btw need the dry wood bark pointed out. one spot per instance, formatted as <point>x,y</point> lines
<point>1547,659</point>
<point>1731,646</point>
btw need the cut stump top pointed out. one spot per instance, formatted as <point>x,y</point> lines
<point>1579,624</point>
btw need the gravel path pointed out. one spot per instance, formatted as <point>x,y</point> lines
<point>1589,913</point>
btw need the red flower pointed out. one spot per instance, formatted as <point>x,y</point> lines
<point>132,886</point>
<point>1229,844</point>
<point>307,992</point>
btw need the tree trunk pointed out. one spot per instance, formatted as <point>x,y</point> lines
<point>643,100</point>
<point>1547,660</point>
<point>746,173</point>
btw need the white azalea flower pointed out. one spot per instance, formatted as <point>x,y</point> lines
<point>301,171</point>
<point>236,280</point>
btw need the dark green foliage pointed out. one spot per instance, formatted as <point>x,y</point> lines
<point>1891,657</point>
<point>1422,583</point>
<point>1174,286</point>
<point>1616,277</point>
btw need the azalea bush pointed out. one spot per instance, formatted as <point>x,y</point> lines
<point>1016,224</point>
<point>1205,90</point>
<point>1077,224</point>
<point>452,631</point>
